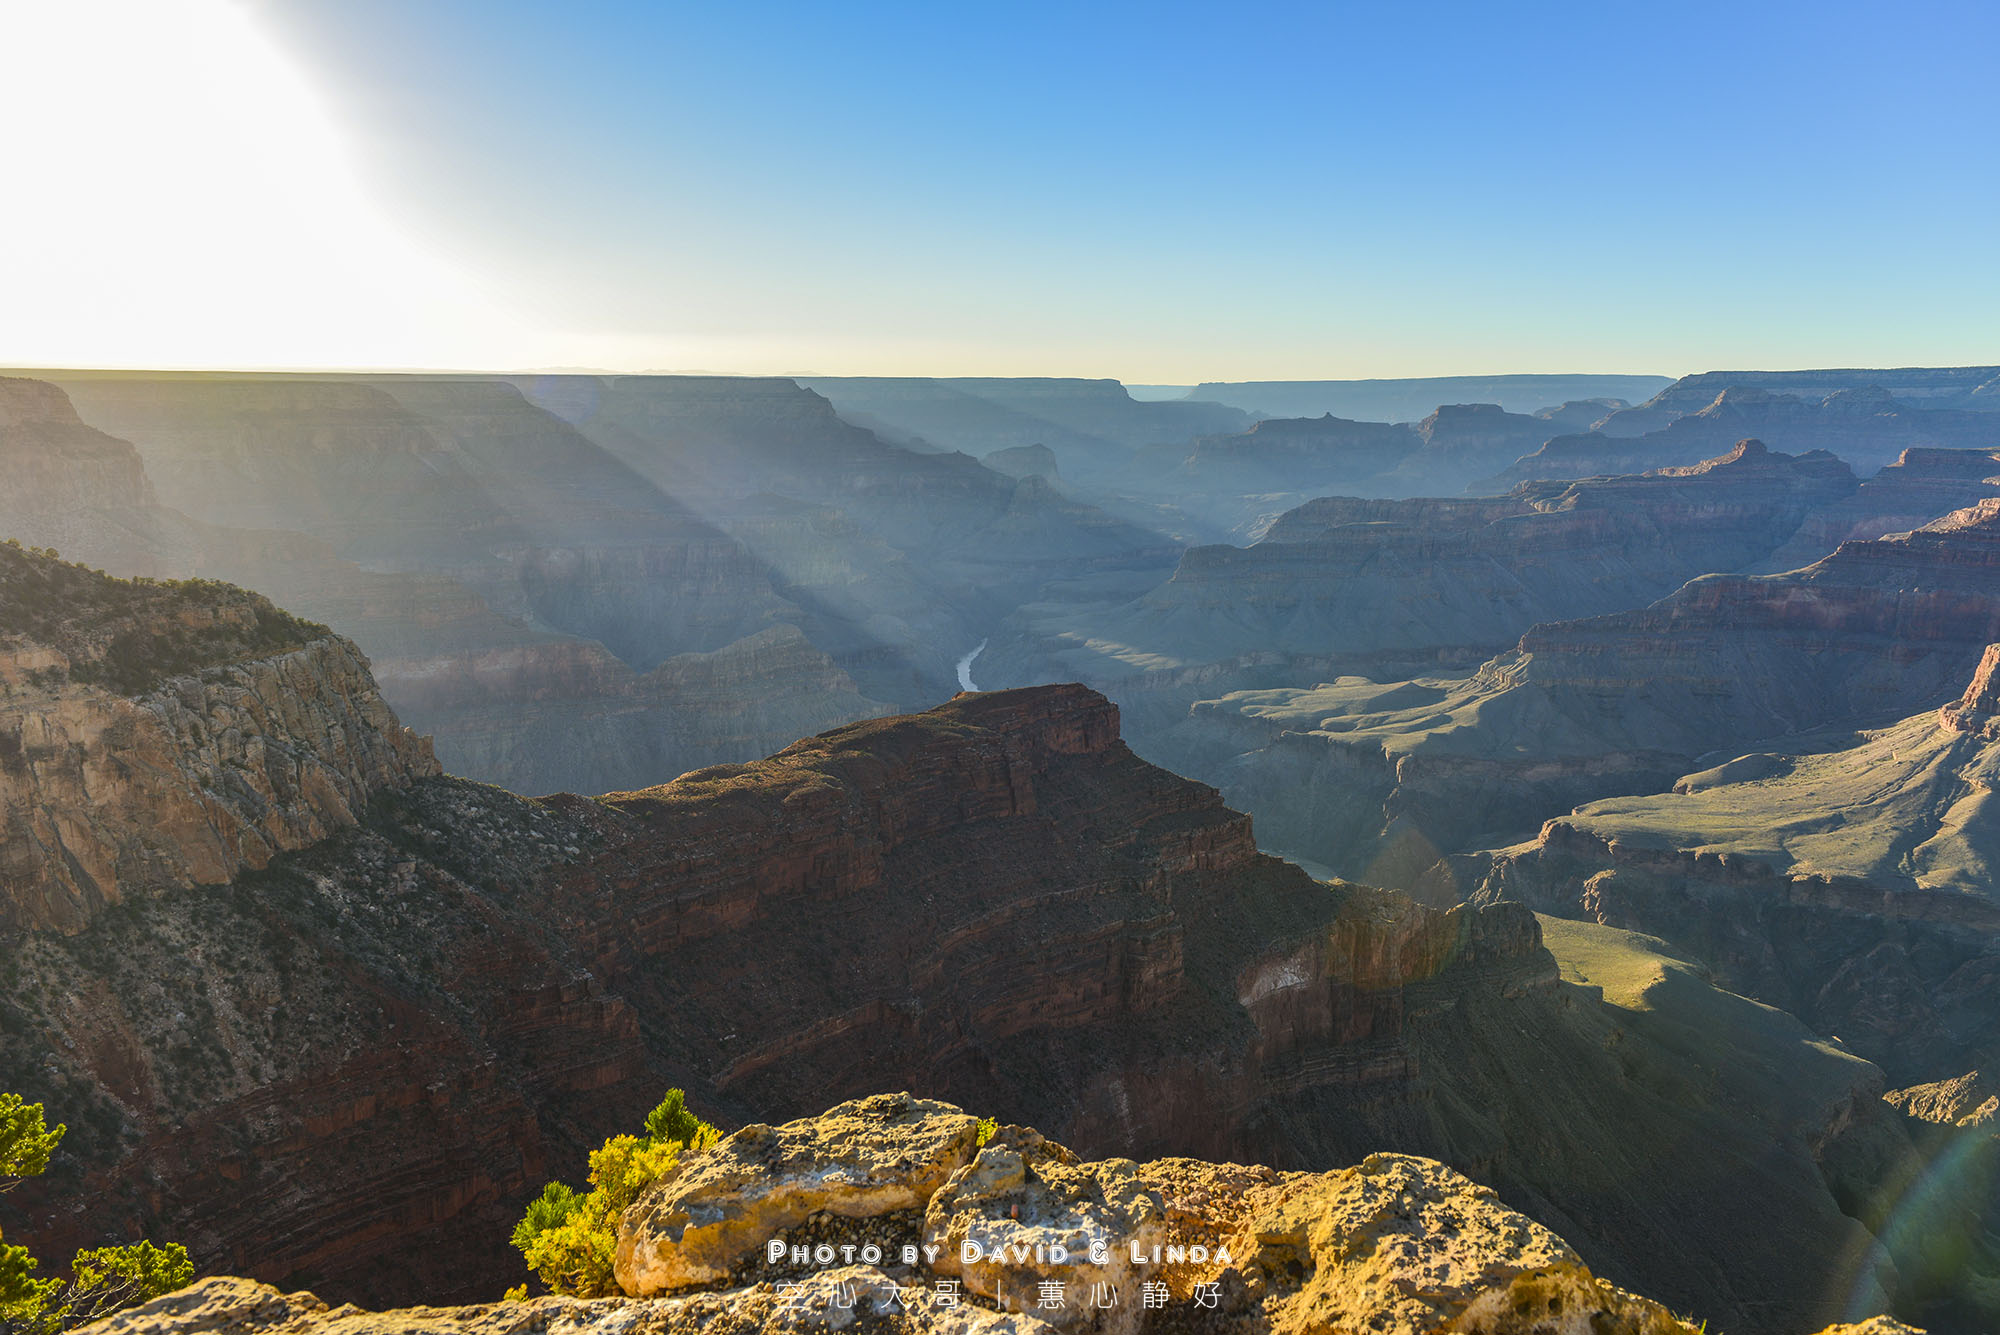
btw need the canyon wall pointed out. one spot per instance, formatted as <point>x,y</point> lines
<point>1847,879</point>
<point>350,1068</point>
<point>1865,425</point>
<point>160,735</point>
<point>1377,779</point>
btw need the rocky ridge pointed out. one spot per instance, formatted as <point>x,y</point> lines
<point>1848,879</point>
<point>1391,589</point>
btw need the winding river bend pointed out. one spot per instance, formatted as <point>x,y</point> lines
<point>965,667</point>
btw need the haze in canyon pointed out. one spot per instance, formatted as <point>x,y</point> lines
<point>998,671</point>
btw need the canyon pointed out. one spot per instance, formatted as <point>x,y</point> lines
<point>1391,589</point>
<point>1619,703</point>
<point>1653,804</point>
<point>554,609</point>
<point>347,1065</point>
<point>1866,426</point>
<point>1846,877</point>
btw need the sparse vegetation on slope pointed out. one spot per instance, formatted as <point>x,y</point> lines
<point>128,635</point>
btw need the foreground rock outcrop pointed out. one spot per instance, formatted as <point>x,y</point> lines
<point>1397,1244</point>
<point>1022,1224</point>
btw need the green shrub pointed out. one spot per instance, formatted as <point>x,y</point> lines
<point>102,1280</point>
<point>568,1238</point>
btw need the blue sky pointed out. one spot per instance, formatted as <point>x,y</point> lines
<point>1174,192</point>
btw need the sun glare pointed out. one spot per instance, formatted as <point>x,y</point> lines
<point>177,196</point>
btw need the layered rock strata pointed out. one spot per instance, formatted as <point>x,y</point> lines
<point>1849,881</point>
<point>1618,704</point>
<point>1864,425</point>
<point>158,735</point>
<point>1391,589</point>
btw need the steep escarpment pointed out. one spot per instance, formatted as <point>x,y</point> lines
<point>51,454</point>
<point>1921,486</point>
<point>388,1038</point>
<point>1621,703</point>
<point>348,1069</point>
<point>1975,710</point>
<point>156,735</point>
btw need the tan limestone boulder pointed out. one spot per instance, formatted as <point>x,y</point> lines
<point>1400,1245</point>
<point>863,1158</point>
<point>1038,1215</point>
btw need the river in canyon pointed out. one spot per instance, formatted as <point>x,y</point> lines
<point>965,667</point>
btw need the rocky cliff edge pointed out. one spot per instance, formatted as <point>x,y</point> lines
<point>867,1217</point>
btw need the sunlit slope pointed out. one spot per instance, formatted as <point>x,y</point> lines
<point>1910,806</point>
<point>1689,1023</point>
<point>1606,706</point>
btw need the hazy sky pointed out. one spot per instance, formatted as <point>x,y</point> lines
<point>1163,193</point>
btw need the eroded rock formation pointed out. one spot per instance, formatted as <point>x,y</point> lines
<point>1391,589</point>
<point>156,735</point>
<point>1864,424</point>
<point>1849,880</point>
<point>1616,704</point>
